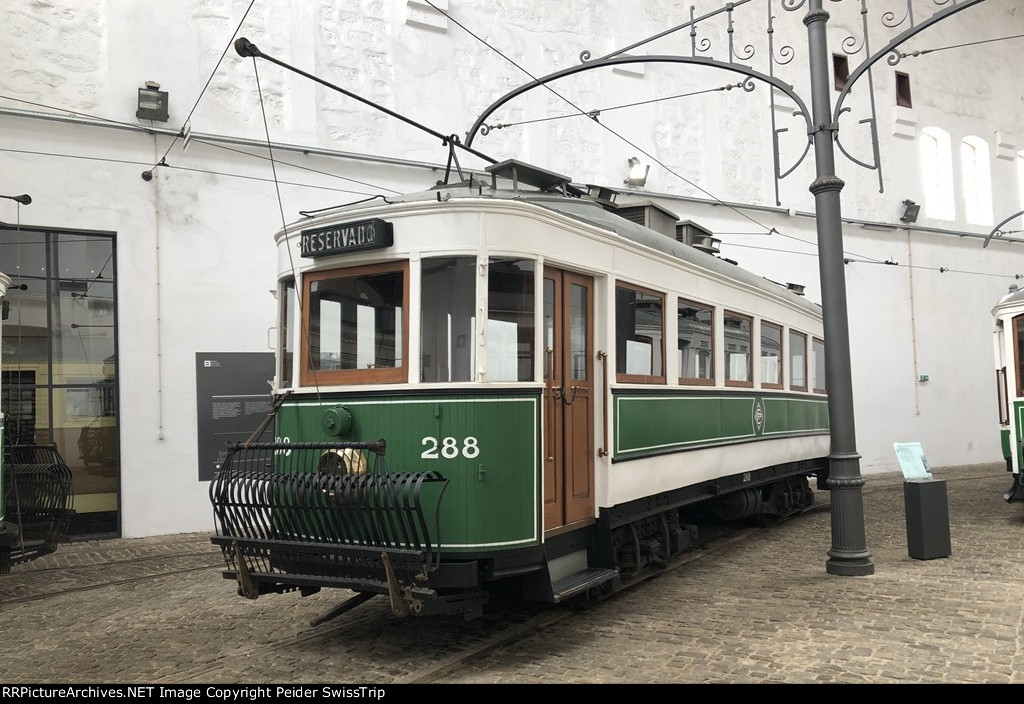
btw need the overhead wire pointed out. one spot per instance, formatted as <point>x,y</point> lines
<point>584,113</point>
<point>197,140</point>
<point>294,166</point>
<point>189,169</point>
<point>611,131</point>
<point>303,329</point>
<point>594,114</point>
<point>580,113</point>
<point>209,80</point>
<point>602,125</point>
<point>921,52</point>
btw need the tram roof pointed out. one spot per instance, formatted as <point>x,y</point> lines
<point>557,194</point>
<point>1013,299</point>
<point>593,212</point>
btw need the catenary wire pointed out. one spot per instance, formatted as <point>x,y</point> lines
<point>613,132</point>
<point>585,113</point>
<point>208,81</point>
<point>197,140</point>
<point>191,169</point>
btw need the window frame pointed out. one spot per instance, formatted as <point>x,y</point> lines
<point>976,179</point>
<point>289,318</point>
<point>1018,354</point>
<point>904,98</point>
<point>789,355</point>
<point>624,377</point>
<point>530,337</point>
<point>749,383</point>
<point>389,375</point>
<point>782,355</point>
<point>935,152</point>
<point>698,381</point>
<point>814,354</point>
<point>424,264</point>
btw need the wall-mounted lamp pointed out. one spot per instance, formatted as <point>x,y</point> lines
<point>637,175</point>
<point>152,103</point>
<point>24,198</point>
<point>910,212</point>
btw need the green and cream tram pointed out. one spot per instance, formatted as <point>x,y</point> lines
<point>505,382</point>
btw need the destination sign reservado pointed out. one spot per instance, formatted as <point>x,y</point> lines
<point>350,237</point>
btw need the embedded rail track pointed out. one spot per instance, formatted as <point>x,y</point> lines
<point>505,621</point>
<point>370,628</point>
<point>28,583</point>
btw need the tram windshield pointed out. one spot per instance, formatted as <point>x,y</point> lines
<point>356,325</point>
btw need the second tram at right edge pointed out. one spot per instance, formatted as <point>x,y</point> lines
<point>1009,349</point>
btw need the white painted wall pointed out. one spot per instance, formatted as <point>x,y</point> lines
<point>194,246</point>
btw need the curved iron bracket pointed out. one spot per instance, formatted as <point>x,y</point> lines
<point>480,125</point>
<point>890,49</point>
<point>894,57</point>
<point>996,232</point>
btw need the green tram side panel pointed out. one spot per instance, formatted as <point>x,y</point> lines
<point>652,424</point>
<point>487,446</point>
<point>1018,415</point>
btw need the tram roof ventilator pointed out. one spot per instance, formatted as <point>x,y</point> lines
<point>521,173</point>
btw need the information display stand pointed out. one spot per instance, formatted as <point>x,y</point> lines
<point>927,518</point>
<point>926,505</point>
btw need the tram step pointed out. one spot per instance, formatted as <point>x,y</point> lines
<point>582,581</point>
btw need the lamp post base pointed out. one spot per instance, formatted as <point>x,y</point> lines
<point>850,566</point>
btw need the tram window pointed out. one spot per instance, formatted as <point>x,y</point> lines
<point>286,329</point>
<point>1018,349</point>
<point>510,319</point>
<point>696,342</point>
<point>818,347</point>
<point>738,363</point>
<point>447,320</point>
<point>771,355</point>
<point>797,361</point>
<point>639,335</point>
<point>579,308</point>
<point>356,325</point>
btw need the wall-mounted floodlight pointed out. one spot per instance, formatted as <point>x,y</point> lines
<point>910,212</point>
<point>152,103</point>
<point>637,175</point>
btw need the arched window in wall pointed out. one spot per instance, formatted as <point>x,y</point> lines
<point>977,180</point>
<point>937,174</point>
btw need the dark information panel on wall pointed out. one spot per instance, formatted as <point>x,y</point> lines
<point>233,398</point>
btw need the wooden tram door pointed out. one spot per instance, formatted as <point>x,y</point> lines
<point>568,398</point>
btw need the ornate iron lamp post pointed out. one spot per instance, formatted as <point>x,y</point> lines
<point>849,554</point>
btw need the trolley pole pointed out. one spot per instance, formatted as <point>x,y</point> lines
<point>849,555</point>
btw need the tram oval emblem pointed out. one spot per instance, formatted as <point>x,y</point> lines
<point>758,417</point>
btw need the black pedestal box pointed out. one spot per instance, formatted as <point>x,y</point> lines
<point>927,518</point>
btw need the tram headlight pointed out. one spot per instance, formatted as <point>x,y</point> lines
<point>347,461</point>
